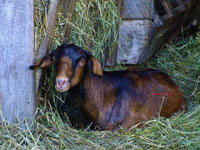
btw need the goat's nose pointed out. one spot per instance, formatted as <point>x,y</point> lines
<point>61,82</point>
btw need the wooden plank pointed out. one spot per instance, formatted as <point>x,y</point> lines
<point>133,38</point>
<point>44,48</point>
<point>140,39</point>
<point>168,7</point>
<point>17,88</point>
<point>137,9</point>
<point>171,28</point>
<point>67,7</point>
<point>157,20</point>
<point>181,5</point>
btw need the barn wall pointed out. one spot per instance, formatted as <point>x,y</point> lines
<point>17,88</point>
<point>147,25</point>
<point>135,29</point>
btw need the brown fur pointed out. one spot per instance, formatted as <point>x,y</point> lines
<point>64,67</point>
<point>79,72</point>
<point>120,98</point>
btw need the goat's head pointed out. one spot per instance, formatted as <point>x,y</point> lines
<point>70,63</point>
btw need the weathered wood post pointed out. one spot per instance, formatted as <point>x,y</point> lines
<point>44,47</point>
<point>135,29</point>
<point>147,25</point>
<point>17,89</point>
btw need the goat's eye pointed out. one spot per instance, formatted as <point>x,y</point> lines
<point>53,58</point>
<point>82,61</point>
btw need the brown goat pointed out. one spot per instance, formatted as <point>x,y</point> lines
<point>112,99</point>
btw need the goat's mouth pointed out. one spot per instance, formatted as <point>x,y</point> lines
<point>63,89</point>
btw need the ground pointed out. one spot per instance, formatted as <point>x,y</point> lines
<point>52,130</point>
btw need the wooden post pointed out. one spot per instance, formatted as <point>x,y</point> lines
<point>17,89</point>
<point>67,7</point>
<point>147,25</point>
<point>135,29</point>
<point>44,47</point>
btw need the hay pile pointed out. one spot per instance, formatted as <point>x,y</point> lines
<point>180,59</point>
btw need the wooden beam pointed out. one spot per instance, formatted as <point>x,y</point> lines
<point>44,48</point>
<point>158,21</point>
<point>137,9</point>
<point>168,7</point>
<point>172,27</point>
<point>181,5</point>
<point>67,7</point>
<point>17,88</point>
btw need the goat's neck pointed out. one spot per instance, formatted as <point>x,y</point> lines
<point>92,92</point>
<point>92,86</point>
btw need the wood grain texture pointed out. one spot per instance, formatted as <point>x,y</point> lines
<point>137,9</point>
<point>168,7</point>
<point>17,88</point>
<point>133,39</point>
<point>172,27</point>
<point>140,38</point>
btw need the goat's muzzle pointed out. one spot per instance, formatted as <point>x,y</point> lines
<point>62,84</point>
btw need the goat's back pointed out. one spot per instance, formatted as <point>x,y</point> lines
<point>148,92</point>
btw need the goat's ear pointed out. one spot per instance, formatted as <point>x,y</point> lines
<point>96,67</point>
<point>43,62</point>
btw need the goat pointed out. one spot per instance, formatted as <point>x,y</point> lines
<point>115,98</point>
